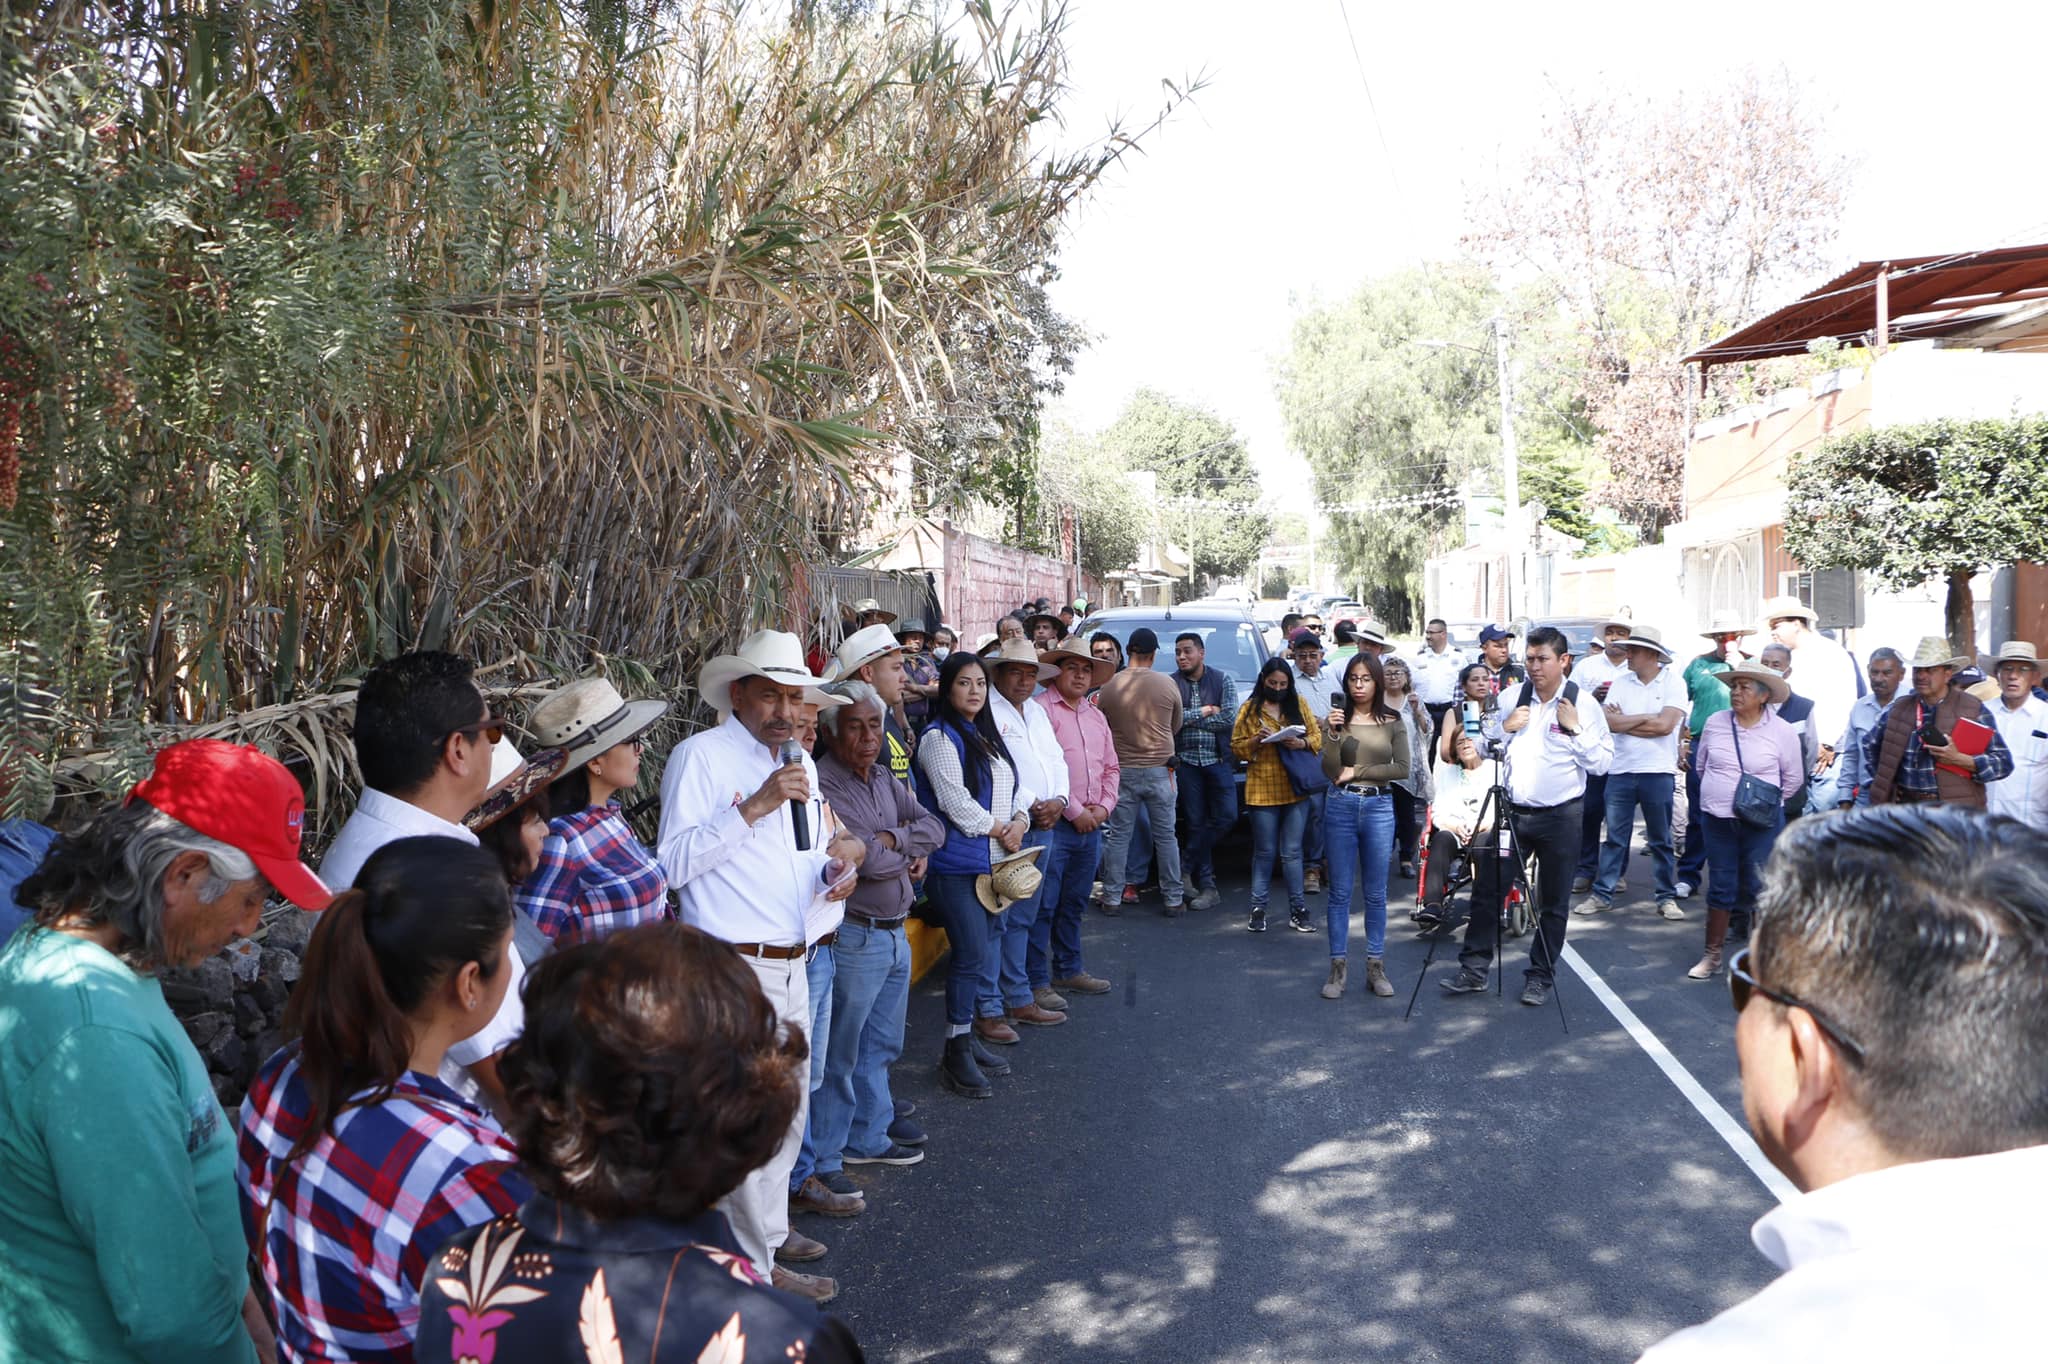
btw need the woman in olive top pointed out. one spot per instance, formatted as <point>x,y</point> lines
<point>1369,750</point>
<point>1279,814</point>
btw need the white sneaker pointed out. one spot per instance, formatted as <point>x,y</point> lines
<point>1670,909</point>
<point>1684,889</point>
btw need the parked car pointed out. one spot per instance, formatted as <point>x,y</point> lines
<point>1582,631</point>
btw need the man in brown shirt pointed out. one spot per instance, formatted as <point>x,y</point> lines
<point>1143,710</point>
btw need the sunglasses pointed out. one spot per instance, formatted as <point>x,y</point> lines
<point>1741,985</point>
<point>489,730</point>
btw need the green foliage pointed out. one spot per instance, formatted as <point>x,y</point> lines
<point>1079,473</point>
<point>1275,585</point>
<point>1208,491</point>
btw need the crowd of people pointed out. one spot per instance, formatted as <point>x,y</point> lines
<point>552,1089</point>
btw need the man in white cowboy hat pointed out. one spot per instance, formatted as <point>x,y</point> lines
<point>1886,671</point>
<point>1595,674</point>
<point>1053,963</point>
<point>740,823</point>
<point>1911,754</point>
<point>874,655</point>
<point>1827,674</point>
<point>1646,708</point>
<point>2022,720</point>
<point>1707,696</point>
<point>1006,995</point>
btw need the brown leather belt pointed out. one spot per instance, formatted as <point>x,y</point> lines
<point>769,951</point>
<point>1906,797</point>
<point>865,920</point>
<point>826,941</point>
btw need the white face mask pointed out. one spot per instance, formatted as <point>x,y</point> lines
<point>940,652</point>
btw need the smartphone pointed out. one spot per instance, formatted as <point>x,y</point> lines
<point>1473,724</point>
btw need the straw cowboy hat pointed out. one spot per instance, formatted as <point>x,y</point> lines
<point>868,606</point>
<point>863,647</point>
<point>1073,646</point>
<point>589,716</point>
<point>984,645</point>
<point>1647,637</point>
<point>1727,623</point>
<point>1933,652</point>
<point>1031,623</point>
<point>2017,651</point>
<point>1011,878</point>
<point>513,781</point>
<point>1772,682</point>
<point>773,654</point>
<point>1781,608</point>
<point>1020,651</point>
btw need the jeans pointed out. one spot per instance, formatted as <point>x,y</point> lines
<point>1692,860</point>
<point>1312,838</point>
<point>1062,903</point>
<point>1592,811</point>
<point>852,1110</point>
<point>1277,833</point>
<point>1408,809</point>
<point>1361,851</point>
<point>1149,789</point>
<point>1138,852</point>
<point>1208,807</point>
<point>1736,853</point>
<point>818,972</point>
<point>966,925</point>
<point>1552,834</point>
<point>1653,792</point>
<point>1003,983</point>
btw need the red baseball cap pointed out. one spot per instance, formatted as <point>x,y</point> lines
<point>246,799</point>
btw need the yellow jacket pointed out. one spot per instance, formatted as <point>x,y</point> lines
<point>1265,781</point>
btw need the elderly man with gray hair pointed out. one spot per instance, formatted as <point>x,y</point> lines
<point>120,1238</point>
<point>853,1117</point>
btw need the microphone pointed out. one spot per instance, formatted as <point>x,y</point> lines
<point>799,813</point>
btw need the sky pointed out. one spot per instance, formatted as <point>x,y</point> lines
<point>1274,190</point>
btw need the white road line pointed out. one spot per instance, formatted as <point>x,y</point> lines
<point>1718,1118</point>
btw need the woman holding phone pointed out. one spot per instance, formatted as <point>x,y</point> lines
<point>1369,751</point>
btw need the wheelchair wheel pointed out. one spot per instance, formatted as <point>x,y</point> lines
<point>1519,913</point>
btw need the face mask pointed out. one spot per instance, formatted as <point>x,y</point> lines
<point>940,652</point>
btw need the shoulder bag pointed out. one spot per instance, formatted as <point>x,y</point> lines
<point>1304,767</point>
<point>1758,803</point>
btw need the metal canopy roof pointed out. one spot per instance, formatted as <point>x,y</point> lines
<point>1897,300</point>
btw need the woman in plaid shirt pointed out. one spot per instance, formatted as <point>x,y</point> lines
<point>356,1161</point>
<point>1278,813</point>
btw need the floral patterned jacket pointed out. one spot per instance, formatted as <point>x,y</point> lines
<point>553,1285</point>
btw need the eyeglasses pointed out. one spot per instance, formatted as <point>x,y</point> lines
<point>1741,985</point>
<point>490,730</point>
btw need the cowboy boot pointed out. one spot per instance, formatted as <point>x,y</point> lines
<point>1709,965</point>
<point>959,1071</point>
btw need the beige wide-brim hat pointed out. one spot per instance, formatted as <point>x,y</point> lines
<point>1777,686</point>
<point>774,654</point>
<point>1073,646</point>
<point>984,645</point>
<point>863,647</point>
<point>1934,652</point>
<point>1728,623</point>
<point>589,716</point>
<point>514,779</point>
<point>1013,877</point>
<point>1622,618</point>
<point>867,606</point>
<point>1779,608</point>
<point>2018,651</point>
<point>1369,632</point>
<point>1020,651</point>
<point>1647,637</point>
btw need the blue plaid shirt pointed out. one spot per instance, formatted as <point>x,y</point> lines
<point>1916,772</point>
<point>1204,740</point>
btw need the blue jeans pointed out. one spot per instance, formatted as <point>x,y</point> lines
<point>818,973</point>
<point>1062,902</point>
<point>1692,859</point>
<point>1208,807</point>
<point>1277,834</point>
<point>1149,789</point>
<point>1315,817</point>
<point>1736,853</point>
<point>852,1110</point>
<point>966,925</point>
<point>1592,810</point>
<point>1654,792</point>
<point>1361,849</point>
<point>1003,982</point>
<point>1138,852</point>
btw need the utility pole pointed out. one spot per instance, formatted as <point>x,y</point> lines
<point>1510,464</point>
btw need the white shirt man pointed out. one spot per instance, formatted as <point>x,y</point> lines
<point>1435,667</point>
<point>1632,696</point>
<point>1547,766</point>
<point>1040,762</point>
<point>2022,720</point>
<point>1827,672</point>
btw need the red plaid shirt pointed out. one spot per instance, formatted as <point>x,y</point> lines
<point>344,1234</point>
<point>594,878</point>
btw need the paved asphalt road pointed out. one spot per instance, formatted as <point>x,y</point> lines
<point>1212,1163</point>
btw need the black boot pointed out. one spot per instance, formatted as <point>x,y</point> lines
<point>959,1073</point>
<point>990,1063</point>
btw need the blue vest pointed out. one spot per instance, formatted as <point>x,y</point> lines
<point>961,854</point>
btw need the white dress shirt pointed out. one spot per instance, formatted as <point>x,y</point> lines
<point>738,882</point>
<point>1591,672</point>
<point>1041,762</point>
<point>1546,766</point>
<point>1828,674</point>
<point>1936,1260</point>
<point>1633,696</point>
<point>1315,691</point>
<point>2023,794</point>
<point>1436,674</point>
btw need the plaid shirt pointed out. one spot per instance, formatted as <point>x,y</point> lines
<point>594,878</point>
<point>344,1234</point>
<point>1265,780</point>
<point>1203,739</point>
<point>1916,771</point>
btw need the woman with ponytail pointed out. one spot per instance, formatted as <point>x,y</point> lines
<point>357,1161</point>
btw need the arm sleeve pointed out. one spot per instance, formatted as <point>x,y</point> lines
<point>923,829</point>
<point>1995,763</point>
<point>472,1195</point>
<point>1038,725</point>
<point>941,767</point>
<point>550,896</point>
<point>1244,734</point>
<point>1593,745</point>
<point>1314,728</point>
<point>701,825</point>
<point>1225,715</point>
<point>1792,774</point>
<point>1849,763</point>
<point>109,1115</point>
<point>1112,771</point>
<point>1872,749</point>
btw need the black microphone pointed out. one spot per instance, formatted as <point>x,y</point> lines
<point>799,813</point>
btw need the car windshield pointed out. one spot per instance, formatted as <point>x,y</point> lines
<point>1232,647</point>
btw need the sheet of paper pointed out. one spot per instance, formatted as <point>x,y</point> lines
<point>1282,735</point>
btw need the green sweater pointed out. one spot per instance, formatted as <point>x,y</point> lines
<point>1709,693</point>
<point>119,1235</point>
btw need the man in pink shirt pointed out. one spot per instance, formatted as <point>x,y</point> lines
<point>1053,961</point>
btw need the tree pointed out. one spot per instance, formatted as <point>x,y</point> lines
<point>1915,503</point>
<point>1076,473</point>
<point>1208,491</point>
<point>1274,586</point>
<point>1656,226</point>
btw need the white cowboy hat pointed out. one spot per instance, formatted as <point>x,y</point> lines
<point>589,716</point>
<point>2018,651</point>
<point>863,647</point>
<point>1727,623</point>
<point>1773,682</point>
<point>1782,608</point>
<point>513,780</point>
<point>1621,617</point>
<point>1647,637</point>
<point>1934,652</point>
<point>773,654</point>
<point>1011,878</point>
<point>1369,631</point>
<point>1073,646</point>
<point>1020,651</point>
<point>868,606</point>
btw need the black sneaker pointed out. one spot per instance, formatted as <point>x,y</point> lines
<point>1258,923</point>
<point>839,1182</point>
<point>904,1132</point>
<point>905,1107</point>
<point>1536,993</point>
<point>1297,919</point>
<point>1466,982</point>
<point>895,1155</point>
<point>1428,916</point>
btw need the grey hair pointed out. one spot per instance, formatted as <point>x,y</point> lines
<point>854,693</point>
<point>1887,653</point>
<point>112,872</point>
